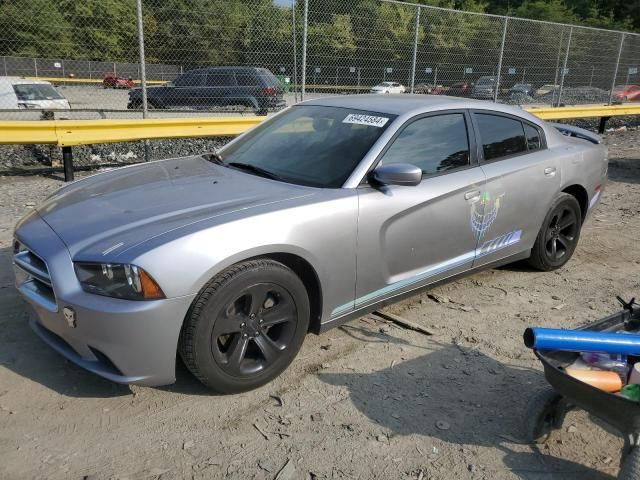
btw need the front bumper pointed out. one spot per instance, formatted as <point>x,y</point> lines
<point>122,340</point>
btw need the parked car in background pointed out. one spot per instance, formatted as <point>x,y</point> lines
<point>18,92</point>
<point>626,93</point>
<point>317,216</point>
<point>111,80</point>
<point>460,89</point>
<point>389,87</point>
<point>485,88</point>
<point>216,87</point>
<point>428,89</point>
<point>522,89</point>
<point>544,89</point>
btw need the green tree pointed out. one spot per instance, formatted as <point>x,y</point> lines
<point>35,28</point>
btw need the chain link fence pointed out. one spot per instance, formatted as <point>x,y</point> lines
<point>82,60</point>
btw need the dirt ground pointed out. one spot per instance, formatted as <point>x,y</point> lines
<point>369,400</point>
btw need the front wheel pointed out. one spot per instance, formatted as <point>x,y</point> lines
<point>246,326</point>
<point>558,237</point>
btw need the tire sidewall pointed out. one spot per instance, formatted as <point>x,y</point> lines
<point>271,272</point>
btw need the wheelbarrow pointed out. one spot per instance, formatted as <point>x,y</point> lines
<point>546,411</point>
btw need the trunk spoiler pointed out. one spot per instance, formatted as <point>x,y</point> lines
<point>577,132</point>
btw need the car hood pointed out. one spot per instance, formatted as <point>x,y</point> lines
<point>104,215</point>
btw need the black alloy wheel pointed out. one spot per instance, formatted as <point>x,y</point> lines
<point>254,329</point>
<point>245,326</point>
<point>559,234</point>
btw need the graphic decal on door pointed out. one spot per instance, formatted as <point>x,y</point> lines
<point>483,213</point>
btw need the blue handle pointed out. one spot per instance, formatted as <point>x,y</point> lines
<point>581,341</point>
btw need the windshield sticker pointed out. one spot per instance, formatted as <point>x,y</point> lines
<point>370,120</point>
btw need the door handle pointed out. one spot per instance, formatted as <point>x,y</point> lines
<point>550,171</point>
<point>472,195</point>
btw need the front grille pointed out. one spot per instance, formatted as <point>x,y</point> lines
<point>35,281</point>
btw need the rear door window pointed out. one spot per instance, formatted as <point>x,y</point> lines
<point>223,78</point>
<point>501,136</point>
<point>193,79</point>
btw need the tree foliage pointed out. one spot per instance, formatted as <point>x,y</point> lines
<point>216,32</point>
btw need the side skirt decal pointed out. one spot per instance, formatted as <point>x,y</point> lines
<point>488,247</point>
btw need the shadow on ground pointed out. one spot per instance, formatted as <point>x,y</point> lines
<point>445,394</point>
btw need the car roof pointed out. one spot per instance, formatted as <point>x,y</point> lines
<point>400,104</point>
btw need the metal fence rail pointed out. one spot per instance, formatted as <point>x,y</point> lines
<point>313,47</point>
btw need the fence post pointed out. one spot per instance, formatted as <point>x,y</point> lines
<point>504,36</point>
<point>564,66</point>
<point>35,67</point>
<point>143,72</point>
<point>304,49</point>
<point>4,61</point>
<point>415,49</point>
<point>295,53</point>
<point>615,73</point>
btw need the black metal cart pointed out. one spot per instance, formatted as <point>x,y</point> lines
<point>546,411</point>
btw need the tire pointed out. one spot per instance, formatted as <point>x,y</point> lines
<point>246,326</point>
<point>559,234</point>
<point>542,416</point>
<point>631,466</point>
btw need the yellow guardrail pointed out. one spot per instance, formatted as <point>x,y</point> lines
<point>583,111</point>
<point>67,133</point>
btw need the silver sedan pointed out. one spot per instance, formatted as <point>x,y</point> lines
<point>316,216</point>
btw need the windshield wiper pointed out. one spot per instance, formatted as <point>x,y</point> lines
<point>214,157</point>
<point>257,170</point>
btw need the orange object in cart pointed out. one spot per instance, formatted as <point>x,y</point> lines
<point>607,381</point>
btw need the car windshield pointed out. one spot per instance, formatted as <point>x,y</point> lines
<point>309,145</point>
<point>36,91</point>
<point>386,84</point>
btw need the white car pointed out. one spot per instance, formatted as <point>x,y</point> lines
<point>389,87</point>
<point>18,92</point>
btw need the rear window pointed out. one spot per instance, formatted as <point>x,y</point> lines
<point>534,141</point>
<point>36,91</point>
<point>501,136</point>
<point>247,79</point>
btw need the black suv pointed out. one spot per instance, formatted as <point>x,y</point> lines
<point>215,87</point>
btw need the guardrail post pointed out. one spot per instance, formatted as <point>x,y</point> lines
<point>67,161</point>
<point>415,48</point>
<point>564,66</point>
<point>504,36</point>
<point>304,49</point>
<point>615,73</point>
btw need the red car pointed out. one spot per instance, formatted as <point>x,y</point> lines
<point>626,93</point>
<point>110,80</point>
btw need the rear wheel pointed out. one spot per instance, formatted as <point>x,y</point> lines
<point>246,326</point>
<point>558,237</point>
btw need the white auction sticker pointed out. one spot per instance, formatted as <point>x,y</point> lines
<point>370,120</point>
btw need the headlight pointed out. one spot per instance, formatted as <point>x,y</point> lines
<point>117,280</point>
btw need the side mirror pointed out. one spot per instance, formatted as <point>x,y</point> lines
<point>403,174</point>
